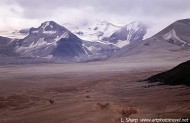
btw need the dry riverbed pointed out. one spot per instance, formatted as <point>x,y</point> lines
<point>97,92</point>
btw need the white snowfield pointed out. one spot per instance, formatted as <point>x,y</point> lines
<point>121,44</point>
<point>93,31</point>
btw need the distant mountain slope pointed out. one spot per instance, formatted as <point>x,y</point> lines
<point>51,40</point>
<point>177,33</point>
<point>171,43</point>
<point>100,50</point>
<point>177,76</point>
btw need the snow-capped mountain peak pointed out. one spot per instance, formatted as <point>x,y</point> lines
<point>48,27</point>
<point>130,32</point>
<point>109,33</point>
<point>51,39</point>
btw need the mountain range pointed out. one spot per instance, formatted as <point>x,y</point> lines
<point>55,42</point>
<point>96,41</point>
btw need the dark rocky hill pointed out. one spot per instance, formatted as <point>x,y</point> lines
<point>179,75</point>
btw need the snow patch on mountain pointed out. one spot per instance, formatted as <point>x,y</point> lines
<point>64,35</point>
<point>49,32</point>
<point>121,44</point>
<point>44,25</point>
<point>171,35</point>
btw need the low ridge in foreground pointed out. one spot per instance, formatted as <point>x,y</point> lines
<point>179,75</point>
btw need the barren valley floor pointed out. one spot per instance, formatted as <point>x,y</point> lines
<point>96,92</point>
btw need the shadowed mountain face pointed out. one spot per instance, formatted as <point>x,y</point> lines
<point>172,42</point>
<point>68,49</point>
<point>176,76</point>
<point>51,40</point>
<point>5,48</point>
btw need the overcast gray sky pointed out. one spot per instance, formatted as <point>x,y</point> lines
<point>17,14</point>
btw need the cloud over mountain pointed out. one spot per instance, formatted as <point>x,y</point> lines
<point>81,11</point>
